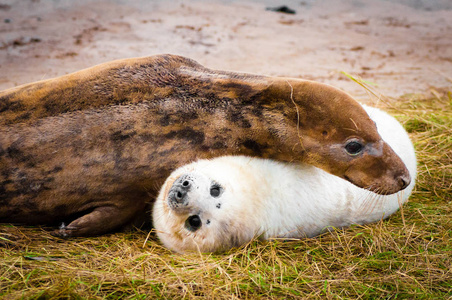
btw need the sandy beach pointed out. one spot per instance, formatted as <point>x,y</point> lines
<point>399,47</point>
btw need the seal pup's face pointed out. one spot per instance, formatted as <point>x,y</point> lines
<point>195,213</point>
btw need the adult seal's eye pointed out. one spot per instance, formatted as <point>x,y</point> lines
<point>215,191</point>
<point>193,223</point>
<point>354,147</point>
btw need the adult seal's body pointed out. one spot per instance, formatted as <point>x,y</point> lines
<point>214,205</point>
<point>92,147</point>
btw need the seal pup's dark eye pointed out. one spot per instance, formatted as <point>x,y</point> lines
<point>193,223</point>
<point>354,147</point>
<point>215,190</point>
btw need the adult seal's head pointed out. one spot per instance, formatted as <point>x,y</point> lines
<point>214,205</point>
<point>336,134</point>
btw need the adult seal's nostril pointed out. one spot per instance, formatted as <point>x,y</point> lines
<point>404,181</point>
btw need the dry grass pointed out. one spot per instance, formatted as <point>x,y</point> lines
<point>408,256</point>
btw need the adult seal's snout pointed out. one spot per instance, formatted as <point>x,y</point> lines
<point>404,180</point>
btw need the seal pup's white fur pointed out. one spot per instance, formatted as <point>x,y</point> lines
<point>227,201</point>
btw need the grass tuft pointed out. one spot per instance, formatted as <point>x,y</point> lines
<point>408,256</point>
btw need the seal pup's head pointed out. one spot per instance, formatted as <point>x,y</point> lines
<point>194,212</point>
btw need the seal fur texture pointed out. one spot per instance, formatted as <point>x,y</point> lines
<point>92,148</point>
<point>214,205</point>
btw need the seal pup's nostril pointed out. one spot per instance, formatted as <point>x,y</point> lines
<point>179,194</point>
<point>179,190</point>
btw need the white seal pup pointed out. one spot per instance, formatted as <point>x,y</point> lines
<point>214,205</point>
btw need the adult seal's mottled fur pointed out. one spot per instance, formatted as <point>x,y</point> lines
<point>214,205</point>
<point>91,148</point>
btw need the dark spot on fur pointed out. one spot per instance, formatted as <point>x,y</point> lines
<point>193,136</point>
<point>53,107</point>
<point>7,105</point>
<point>220,141</point>
<point>122,162</point>
<point>14,211</point>
<point>29,204</point>
<point>3,195</point>
<point>325,133</point>
<point>146,137</point>
<point>177,117</point>
<point>61,208</point>
<point>30,164</point>
<point>56,169</point>
<point>22,117</point>
<point>211,96</point>
<point>244,123</point>
<point>164,121</point>
<point>83,190</point>
<point>189,115</point>
<point>257,111</point>
<point>119,136</point>
<point>219,145</point>
<point>244,91</point>
<point>163,153</point>
<point>254,146</point>
<point>208,222</point>
<point>16,154</point>
<point>273,131</point>
<point>218,205</point>
<point>91,163</point>
<point>238,119</point>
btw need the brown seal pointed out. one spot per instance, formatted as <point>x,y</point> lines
<point>94,146</point>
